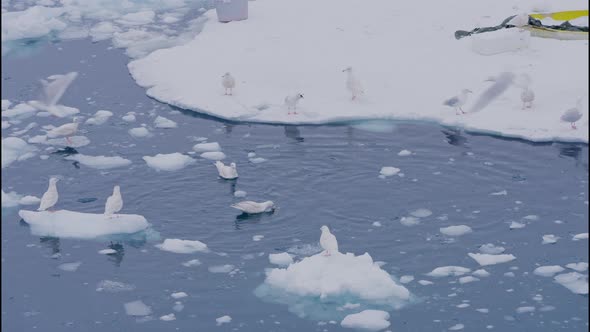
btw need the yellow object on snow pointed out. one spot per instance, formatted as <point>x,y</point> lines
<point>545,32</point>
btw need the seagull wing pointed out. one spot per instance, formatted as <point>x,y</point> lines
<point>500,85</point>
<point>55,90</point>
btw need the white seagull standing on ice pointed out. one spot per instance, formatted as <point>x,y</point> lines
<point>573,114</point>
<point>228,83</point>
<point>291,102</point>
<point>458,101</point>
<point>114,202</point>
<point>67,130</point>
<point>227,172</point>
<point>353,84</point>
<point>328,241</point>
<point>50,197</point>
<point>251,207</point>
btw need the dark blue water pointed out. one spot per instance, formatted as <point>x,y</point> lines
<point>316,175</point>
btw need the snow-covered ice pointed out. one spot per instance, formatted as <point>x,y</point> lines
<point>12,199</point>
<point>70,267</point>
<point>70,224</point>
<point>168,162</point>
<point>481,273</point>
<point>99,118</point>
<point>137,308</point>
<point>576,282</point>
<point>280,259</point>
<point>421,213</point>
<point>168,317</point>
<point>192,262</point>
<point>457,230</point>
<point>371,320</point>
<point>404,153</point>
<point>580,266</point>
<point>213,155</point>
<point>99,162</point>
<point>550,239</point>
<point>180,246</point>
<point>223,320</point>
<point>577,237</point>
<point>445,271</point>
<point>487,259</point>
<point>548,270</point>
<point>178,295</point>
<point>162,122</point>
<point>388,171</point>
<point>207,147</point>
<point>165,75</point>
<point>467,279</point>
<point>139,132</point>
<point>490,248</point>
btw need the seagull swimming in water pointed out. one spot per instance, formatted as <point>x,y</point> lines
<point>573,114</point>
<point>228,83</point>
<point>353,84</point>
<point>328,241</point>
<point>458,101</point>
<point>66,130</point>
<point>50,197</point>
<point>251,207</point>
<point>291,102</point>
<point>227,172</point>
<point>53,89</point>
<point>114,202</point>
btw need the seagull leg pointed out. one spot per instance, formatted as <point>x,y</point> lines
<point>462,111</point>
<point>230,92</point>
<point>574,125</point>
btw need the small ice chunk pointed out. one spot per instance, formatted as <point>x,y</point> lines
<point>457,230</point>
<point>481,273</point>
<point>70,267</point>
<point>99,162</point>
<point>168,317</point>
<point>99,118</point>
<point>192,262</point>
<point>223,319</point>
<point>15,149</point>
<point>137,308</point>
<point>580,236</point>
<point>550,239</point>
<point>483,310</point>
<point>178,306</point>
<point>516,225</point>
<point>348,306</point>
<point>182,246</point>
<point>251,154</point>
<point>162,122</point>
<point>487,259</point>
<point>139,132</point>
<point>467,279</point>
<point>221,268</point>
<point>499,193</point>
<point>107,251</point>
<point>463,305</point>
<point>425,282</point>
<point>372,320</point>
<point>580,267</point>
<point>6,104</point>
<point>406,279</point>
<point>240,193</point>
<point>490,248</point>
<point>168,162</point>
<point>409,221</point>
<point>445,271</point>
<point>404,153</point>
<point>522,310</point>
<point>178,295</point>
<point>207,147</point>
<point>257,160</point>
<point>138,18</point>
<point>577,283</point>
<point>129,117</point>
<point>421,213</point>
<point>389,171</point>
<point>456,327</point>
<point>257,237</point>
<point>376,224</point>
<point>213,155</point>
<point>111,286</point>
<point>282,259</point>
<point>532,217</point>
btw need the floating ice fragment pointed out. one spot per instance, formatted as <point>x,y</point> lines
<point>456,230</point>
<point>389,171</point>
<point>371,320</point>
<point>487,259</point>
<point>221,268</point>
<point>137,308</point>
<point>445,271</point>
<point>223,319</point>
<point>178,295</point>
<point>70,267</point>
<point>421,213</point>
<point>213,155</point>
<point>168,162</point>
<point>283,259</point>
<point>162,122</point>
<point>99,162</point>
<point>550,239</point>
<point>182,246</point>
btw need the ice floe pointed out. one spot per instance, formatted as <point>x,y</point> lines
<point>388,171</point>
<point>490,248</point>
<point>99,118</point>
<point>70,224</point>
<point>371,320</point>
<point>178,295</point>
<point>580,236</point>
<point>70,267</point>
<point>168,162</point>
<point>280,259</point>
<point>12,199</point>
<point>580,267</point>
<point>467,279</point>
<point>139,132</point>
<point>74,142</point>
<point>548,270</point>
<point>192,262</point>
<point>111,286</point>
<point>550,239</point>
<point>169,317</point>
<point>213,155</point>
<point>487,259</point>
<point>404,153</point>
<point>445,271</point>
<point>15,149</point>
<point>223,320</point>
<point>457,230</point>
<point>137,308</point>
<point>99,162</point>
<point>162,122</point>
<point>576,282</point>
<point>180,246</point>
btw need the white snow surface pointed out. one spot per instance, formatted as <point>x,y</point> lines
<point>99,162</point>
<point>369,320</point>
<point>360,36</point>
<point>70,224</point>
<point>337,274</point>
<point>168,162</point>
<point>487,259</point>
<point>180,246</point>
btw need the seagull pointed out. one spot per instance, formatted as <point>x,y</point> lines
<point>227,172</point>
<point>527,96</point>
<point>50,197</point>
<point>251,207</point>
<point>328,241</point>
<point>458,101</point>
<point>501,84</point>
<point>53,89</point>
<point>572,115</point>
<point>353,84</point>
<point>291,101</point>
<point>228,83</point>
<point>67,130</point>
<point>114,202</point>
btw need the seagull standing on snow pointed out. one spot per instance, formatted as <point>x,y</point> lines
<point>573,114</point>
<point>67,130</point>
<point>251,207</point>
<point>458,101</point>
<point>291,102</point>
<point>50,197</point>
<point>227,172</point>
<point>228,83</point>
<point>328,241</point>
<point>353,84</point>
<point>114,203</point>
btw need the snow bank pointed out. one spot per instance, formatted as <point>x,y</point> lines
<point>99,162</point>
<point>168,162</point>
<point>275,61</point>
<point>280,259</point>
<point>15,149</point>
<point>487,259</point>
<point>372,320</point>
<point>70,224</point>
<point>182,246</point>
